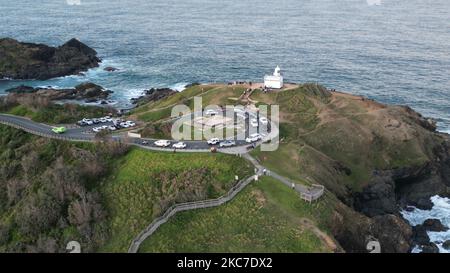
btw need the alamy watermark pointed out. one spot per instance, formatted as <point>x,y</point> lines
<point>232,123</point>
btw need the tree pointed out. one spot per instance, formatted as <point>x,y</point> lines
<point>30,163</point>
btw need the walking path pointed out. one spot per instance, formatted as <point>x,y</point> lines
<point>260,170</point>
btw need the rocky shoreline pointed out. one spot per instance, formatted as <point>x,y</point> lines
<point>88,92</point>
<point>152,94</point>
<point>22,61</point>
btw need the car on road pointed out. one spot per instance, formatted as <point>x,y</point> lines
<point>241,115</point>
<point>179,145</point>
<point>59,130</point>
<point>254,122</point>
<point>99,128</point>
<point>145,142</point>
<point>263,120</point>
<point>213,141</point>
<point>162,143</point>
<point>211,112</point>
<point>227,143</point>
<point>253,138</point>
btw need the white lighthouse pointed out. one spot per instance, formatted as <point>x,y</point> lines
<point>274,81</point>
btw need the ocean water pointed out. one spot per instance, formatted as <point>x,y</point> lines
<point>394,51</point>
<point>440,210</point>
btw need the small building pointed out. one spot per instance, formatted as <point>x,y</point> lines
<point>274,81</point>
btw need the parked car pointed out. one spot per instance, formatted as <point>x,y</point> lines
<point>145,142</point>
<point>95,120</point>
<point>112,128</point>
<point>179,145</point>
<point>263,120</point>
<point>124,125</point>
<point>254,122</point>
<point>162,143</point>
<point>253,138</point>
<point>96,129</point>
<point>81,123</point>
<point>131,123</point>
<point>59,130</point>
<point>211,112</point>
<point>227,143</point>
<point>213,141</point>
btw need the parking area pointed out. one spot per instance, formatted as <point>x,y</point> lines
<point>107,123</point>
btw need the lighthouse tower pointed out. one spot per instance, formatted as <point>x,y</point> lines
<point>275,80</point>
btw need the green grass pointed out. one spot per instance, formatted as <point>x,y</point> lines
<point>146,183</point>
<point>276,160</point>
<point>265,217</point>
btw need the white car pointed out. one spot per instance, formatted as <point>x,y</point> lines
<point>254,122</point>
<point>162,143</point>
<point>213,141</point>
<point>179,145</point>
<point>263,120</point>
<point>253,138</point>
<point>130,123</point>
<point>112,128</point>
<point>96,129</point>
<point>124,125</point>
<point>103,120</point>
<point>241,115</point>
<point>239,110</point>
<point>211,112</point>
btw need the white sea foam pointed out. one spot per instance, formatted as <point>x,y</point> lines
<point>179,86</point>
<point>441,211</point>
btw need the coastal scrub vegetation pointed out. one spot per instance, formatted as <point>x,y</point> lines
<point>101,194</point>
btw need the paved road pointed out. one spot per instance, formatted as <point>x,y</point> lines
<point>85,134</point>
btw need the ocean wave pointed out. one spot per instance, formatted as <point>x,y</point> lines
<point>441,211</point>
<point>179,86</point>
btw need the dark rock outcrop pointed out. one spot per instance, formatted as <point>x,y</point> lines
<point>37,61</point>
<point>420,236</point>
<point>430,248</point>
<point>89,92</point>
<point>110,69</point>
<point>153,94</point>
<point>434,225</point>
<point>446,244</point>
